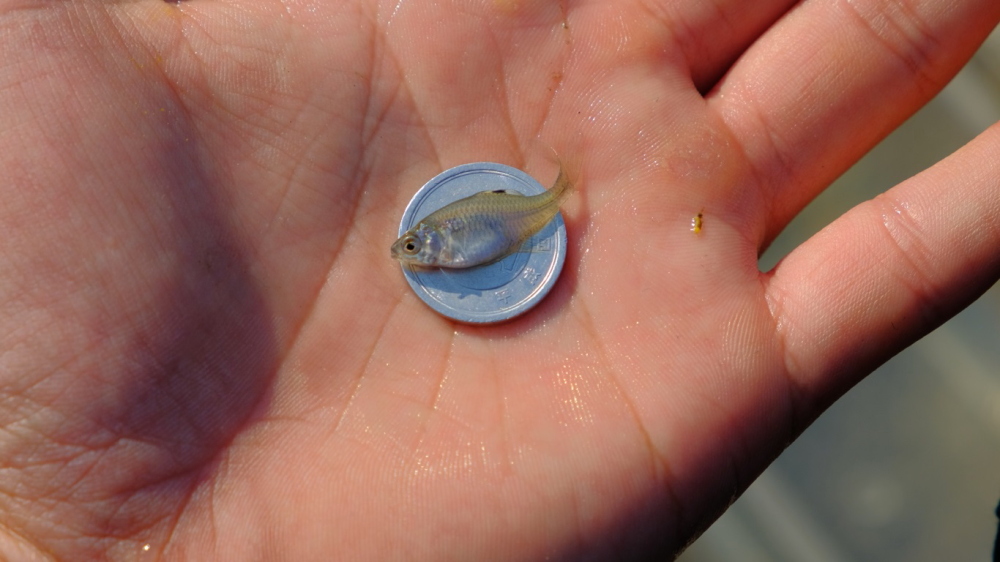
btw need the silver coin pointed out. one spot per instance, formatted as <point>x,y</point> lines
<point>494,292</point>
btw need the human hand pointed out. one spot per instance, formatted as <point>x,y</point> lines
<point>208,353</point>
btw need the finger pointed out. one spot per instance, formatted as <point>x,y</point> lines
<point>890,270</point>
<point>711,35</point>
<point>832,79</point>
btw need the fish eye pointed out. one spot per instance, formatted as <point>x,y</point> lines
<point>410,246</point>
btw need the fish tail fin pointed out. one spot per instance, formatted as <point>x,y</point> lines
<point>569,175</point>
<point>570,165</point>
<point>563,185</point>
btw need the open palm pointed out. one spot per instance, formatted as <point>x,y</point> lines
<point>208,354</point>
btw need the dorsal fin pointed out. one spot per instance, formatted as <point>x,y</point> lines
<point>496,192</point>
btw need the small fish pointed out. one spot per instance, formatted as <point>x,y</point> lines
<point>481,228</point>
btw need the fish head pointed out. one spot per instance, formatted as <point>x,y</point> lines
<point>421,245</point>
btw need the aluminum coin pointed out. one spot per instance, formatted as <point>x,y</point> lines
<point>493,292</point>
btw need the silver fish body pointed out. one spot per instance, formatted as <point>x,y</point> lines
<point>480,229</point>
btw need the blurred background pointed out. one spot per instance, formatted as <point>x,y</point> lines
<point>906,466</point>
